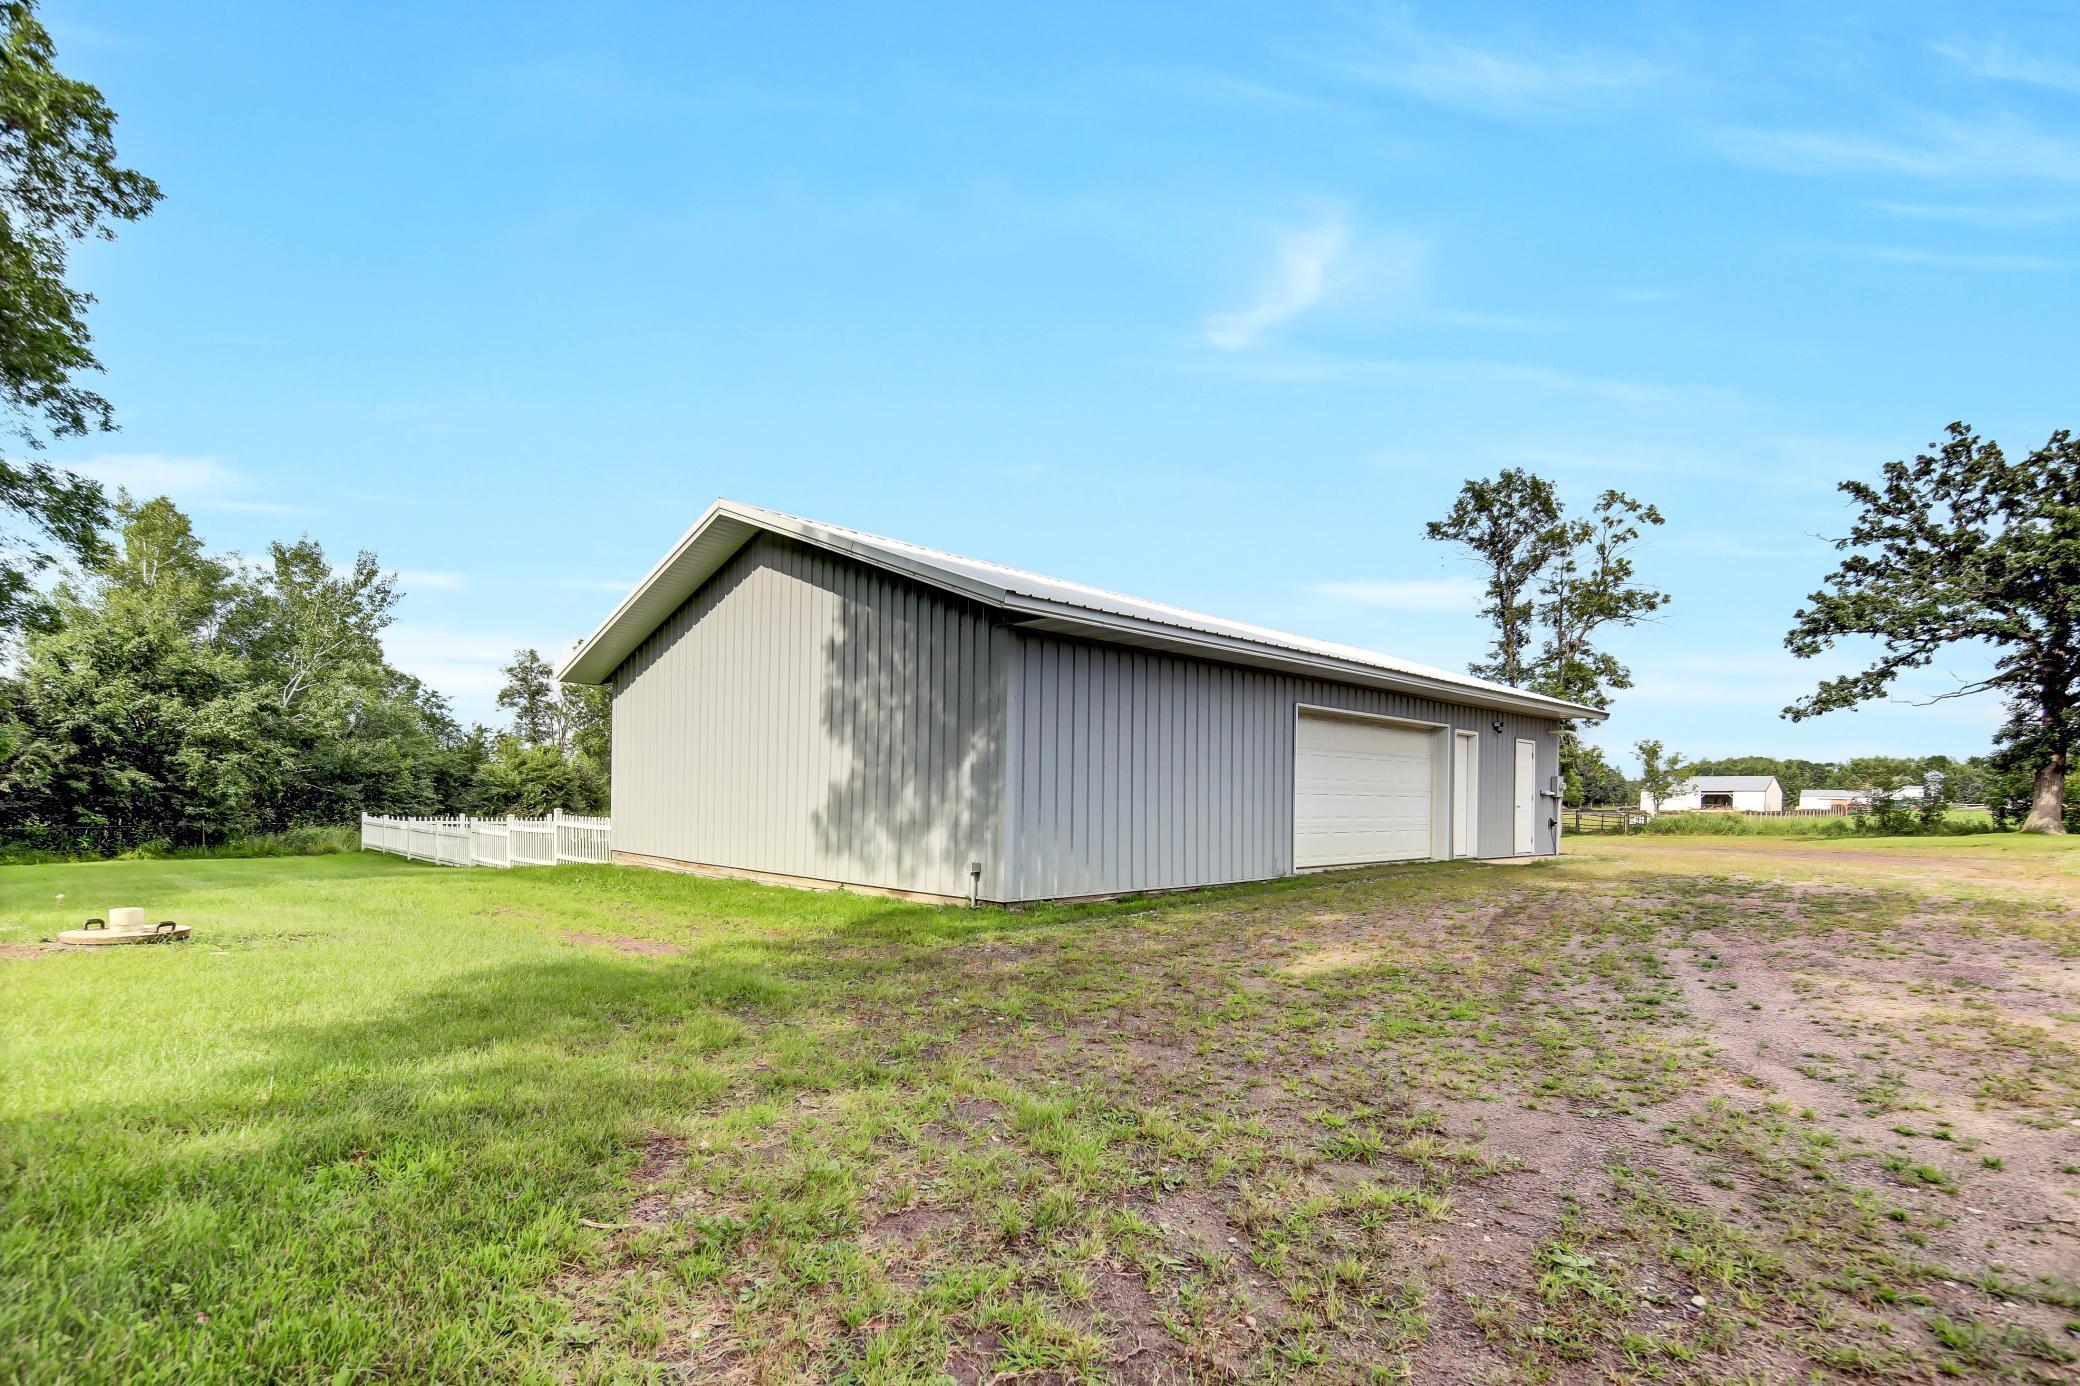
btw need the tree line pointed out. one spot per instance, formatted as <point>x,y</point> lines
<point>1974,780</point>
<point>1962,548</point>
<point>170,693</point>
<point>1983,780</point>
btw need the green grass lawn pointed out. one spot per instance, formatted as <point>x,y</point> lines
<point>358,1120</point>
<point>381,1121</point>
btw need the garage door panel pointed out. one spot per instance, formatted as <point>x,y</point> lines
<point>1361,792</point>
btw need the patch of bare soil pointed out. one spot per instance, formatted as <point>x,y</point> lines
<point>977,1110</point>
<point>1199,1230</point>
<point>1425,1110</point>
<point>1930,958</point>
<point>623,943</point>
<point>1332,959</point>
<point>972,1361</point>
<point>663,1159</point>
<point>691,1340</point>
<point>1810,1023</point>
<point>905,1230</point>
<point>1785,1025</point>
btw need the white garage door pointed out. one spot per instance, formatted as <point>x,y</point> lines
<point>1361,792</point>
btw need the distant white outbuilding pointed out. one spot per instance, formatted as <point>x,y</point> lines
<point>1830,800</point>
<point>1850,800</point>
<point>1732,793</point>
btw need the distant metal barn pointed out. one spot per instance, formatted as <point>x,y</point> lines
<point>798,702</point>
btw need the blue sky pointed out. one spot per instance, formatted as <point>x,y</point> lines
<point>1214,304</point>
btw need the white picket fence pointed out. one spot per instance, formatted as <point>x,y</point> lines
<point>464,841</point>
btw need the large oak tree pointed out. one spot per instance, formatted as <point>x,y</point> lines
<point>1960,547</point>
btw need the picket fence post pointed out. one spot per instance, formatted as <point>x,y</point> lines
<point>436,838</point>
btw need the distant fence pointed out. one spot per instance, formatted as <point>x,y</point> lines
<point>1604,820</point>
<point>1847,808</point>
<point>1841,810</point>
<point>464,841</point>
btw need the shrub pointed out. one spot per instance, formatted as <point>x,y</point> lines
<point>310,841</point>
<point>1741,825</point>
<point>1899,824</point>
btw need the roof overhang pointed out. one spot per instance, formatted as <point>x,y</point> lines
<point>714,539</point>
<point>727,526</point>
<point>1116,630</point>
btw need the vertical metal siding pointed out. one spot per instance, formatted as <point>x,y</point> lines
<point>807,715</point>
<point>810,716</point>
<point>1139,770</point>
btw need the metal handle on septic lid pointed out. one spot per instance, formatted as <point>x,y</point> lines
<point>166,926</point>
<point>95,924</point>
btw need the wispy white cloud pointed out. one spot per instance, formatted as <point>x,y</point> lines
<point>1490,322</point>
<point>1411,594</point>
<point>422,580</point>
<point>200,483</point>
<point>1996,147</point>
<point>1530,78</point>
<point>1377,274</point>
<point>1769,680</point>
<point>1777,665</point>
<point>1993,217</point>
<point>467,665</point>
<point>1964,259</point>
<point>1761,682</point>
<point>1635,460</point>
<point>435,415</point>
<point>1327,369</point>
<point>1732,546</point>
<point>250,507</point>
<point>1792,463</point>
<point>598,584</point>
<point>1226,88</point>
<point>154,473</point>
<point>1302,273</point>
<point>408,640</point>
<point>1999,63</point>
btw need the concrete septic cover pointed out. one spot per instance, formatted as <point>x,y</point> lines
<point>124,926</point>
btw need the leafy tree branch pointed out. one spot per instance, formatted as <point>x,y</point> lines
<point>1963,547</point>
<point>60,181</point>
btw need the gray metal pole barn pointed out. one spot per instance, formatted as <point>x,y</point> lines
<point>804,703</point>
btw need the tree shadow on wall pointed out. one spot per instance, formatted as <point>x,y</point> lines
<point>913,717</point>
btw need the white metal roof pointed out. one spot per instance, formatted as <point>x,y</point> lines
<point>1033,601</point>
<point>1726,783</point>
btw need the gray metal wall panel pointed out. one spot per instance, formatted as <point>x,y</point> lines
<point>811,716</point>
<point>807,715</point>
<point>1139,770</point>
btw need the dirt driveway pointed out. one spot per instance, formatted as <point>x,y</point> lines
<point>1626,1118</point>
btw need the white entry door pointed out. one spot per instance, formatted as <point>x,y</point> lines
<point>1466,802</point>
<point>1361,791</point>
<point>1526,836</point>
